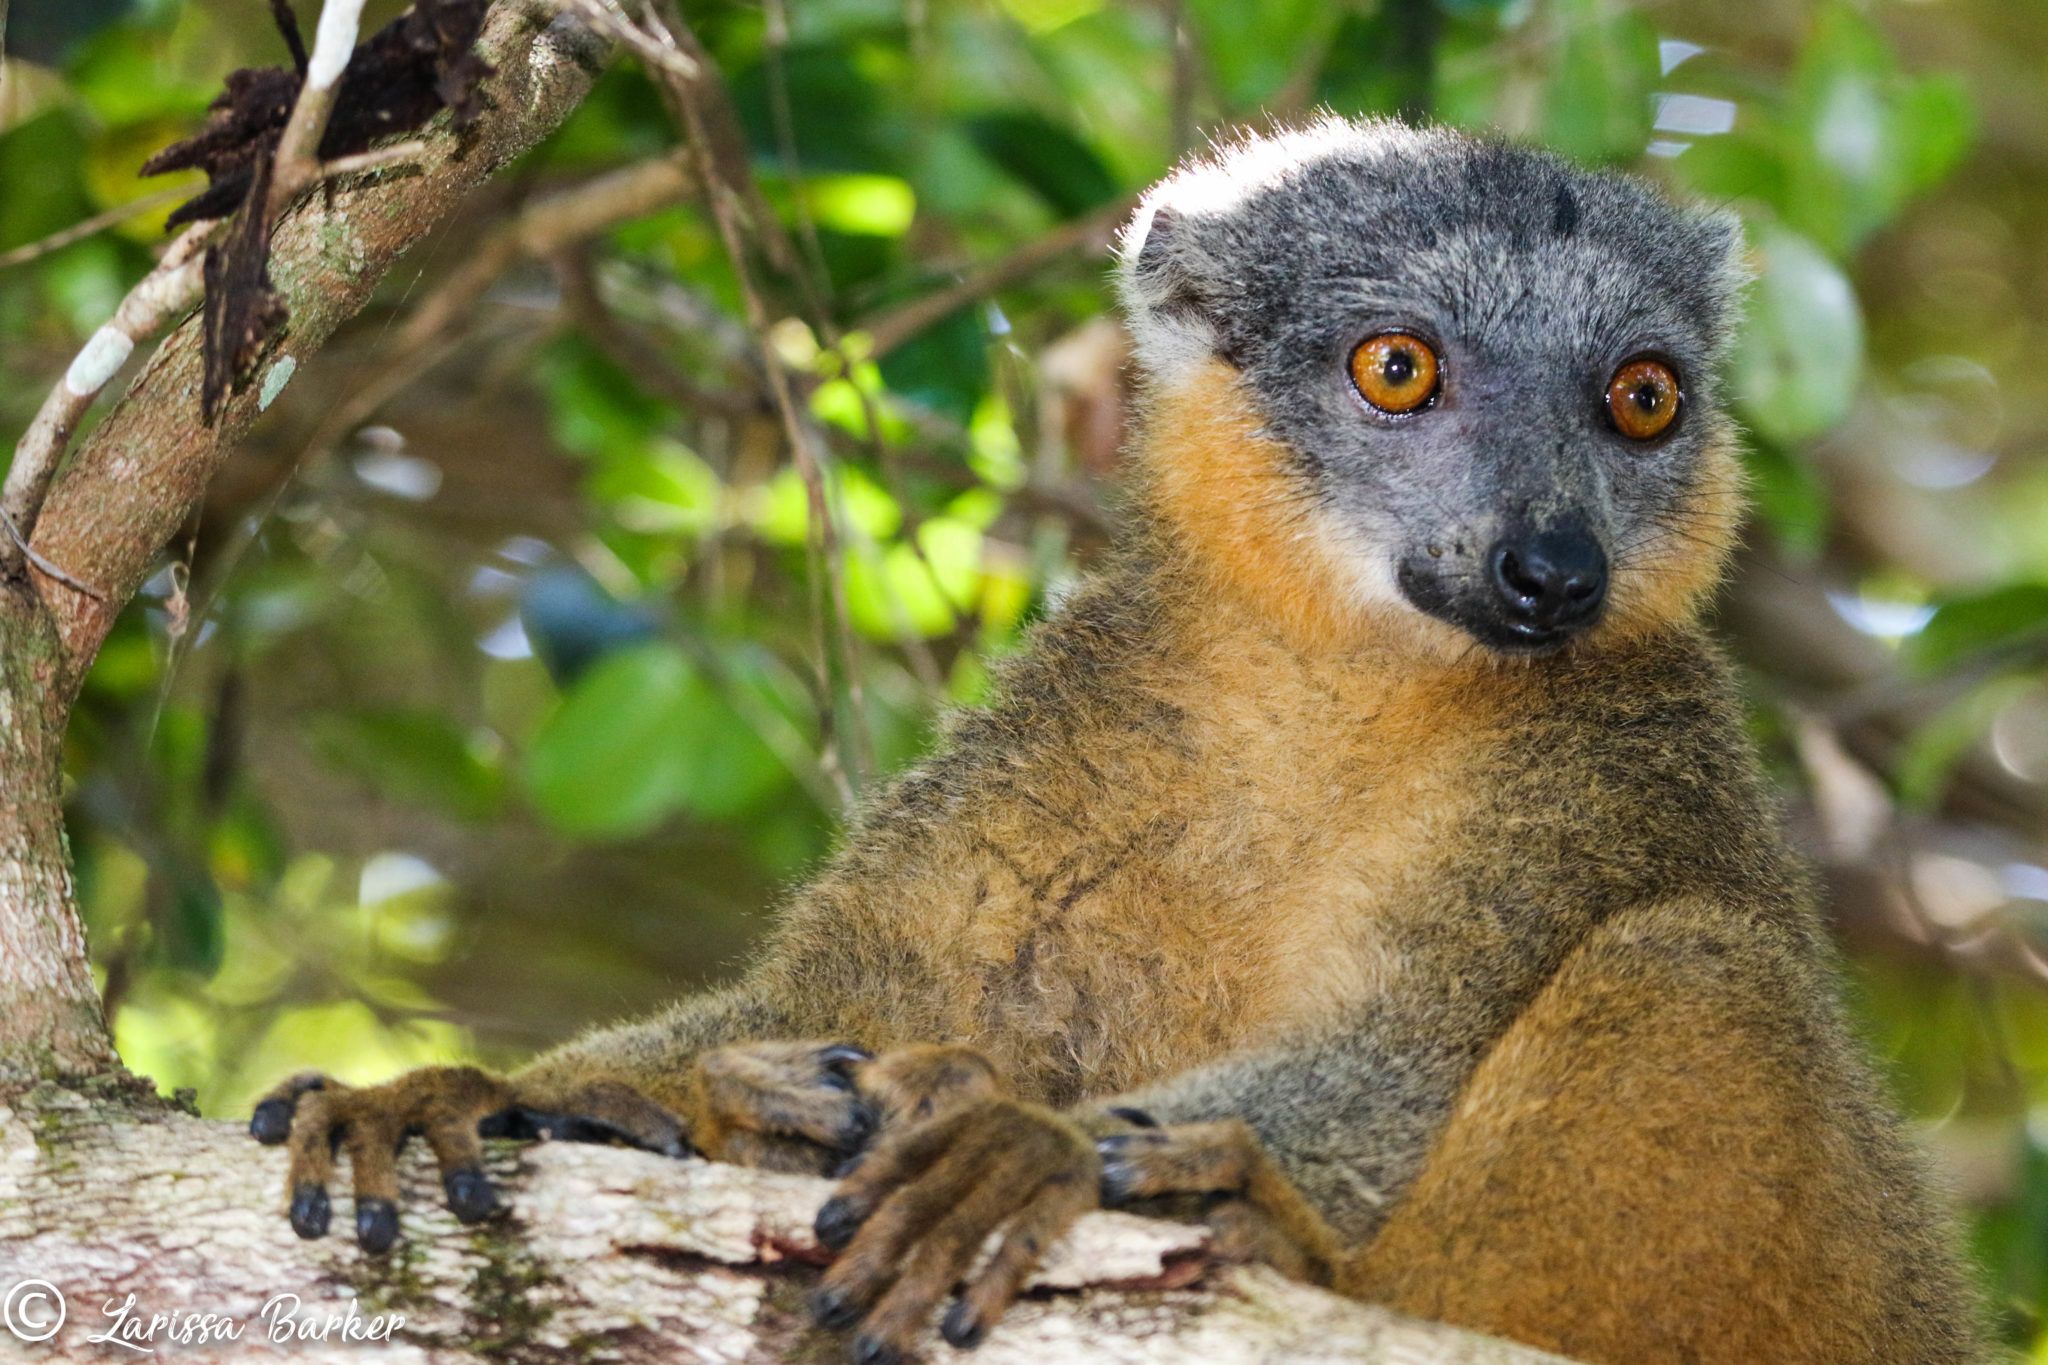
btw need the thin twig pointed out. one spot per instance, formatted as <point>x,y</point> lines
<point>98,223</point>
<point>543,229</point>
<point>44,566</point>
<point>889,330</point>
<point>375,159</point>
<point>607,18</point>
<point>297,163</point>
<point>165,294</point>
<point>838,652</point>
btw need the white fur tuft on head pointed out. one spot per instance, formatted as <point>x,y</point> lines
<point>1171,337</point>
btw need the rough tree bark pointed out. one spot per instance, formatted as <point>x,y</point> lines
<point>606,1255</point>
<point>106,1192</point>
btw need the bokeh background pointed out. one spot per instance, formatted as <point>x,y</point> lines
<point>484,702</point>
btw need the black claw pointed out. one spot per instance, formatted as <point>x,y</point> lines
<point>376,1225</point>
<point>836,1223</point>
<point>1134,1116</point>
<point>310,1211</point>
<point>961,1328</point>
<point>836,1080</point>
<point>832,1309</point>
<point>272,1122</point>
<point>1117,1179</point>
<point>869,1350</point>
<point>470,1196</point>
<point>846,1167</point>
<point>843,1055</point>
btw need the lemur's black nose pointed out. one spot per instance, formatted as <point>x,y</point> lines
<point>1551,580</point>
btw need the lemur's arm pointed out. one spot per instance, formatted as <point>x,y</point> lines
<point>1345,1118</point>
<point>671,1084</point>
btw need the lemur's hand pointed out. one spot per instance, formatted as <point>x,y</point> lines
<point>784,1106</point>
<point>453,1107</point>
<point>954,1161</point>
<point>1217,1173</point>
<point>780,1106</point>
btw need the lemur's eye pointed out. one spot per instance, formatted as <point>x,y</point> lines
<point>1394,371</point>
<point>1643,399</point>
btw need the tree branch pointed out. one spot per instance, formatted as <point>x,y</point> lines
<point>169,291</point>
<point>889,330</point>
<point>298,147</point>
<point>609,1254</point>
<point>147,465</point>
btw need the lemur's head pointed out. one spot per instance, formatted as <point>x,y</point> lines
<point>1408,372</point>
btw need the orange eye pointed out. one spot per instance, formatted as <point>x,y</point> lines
<point>1643,399</point>
<point>1394,371</point>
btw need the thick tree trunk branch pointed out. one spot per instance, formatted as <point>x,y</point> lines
<point>50,1018</point>
<point>140,474</point>
<point>607,1255</point>
<point>142,471</point>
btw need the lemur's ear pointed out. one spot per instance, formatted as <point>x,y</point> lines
<point>1153,266</point>
<point>1165,292</point>
<point>1724,250</point>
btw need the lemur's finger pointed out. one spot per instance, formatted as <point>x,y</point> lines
<point>786,1089</point>
<point>896,1158</point>
<point>313,1137</point>
<point>1261,1214</point>
<point>602,1111</point>
<point>871,1260</point>
<point>943,1249</point>
<point>271,1121</point>
<point>375,1135</point>
<point>1059,1201</point>
<point>459,1153</point>
<point>765,1152</point>
<point>912,1084</point>
<point>1188,1158</point>
<point>1241,1231</point>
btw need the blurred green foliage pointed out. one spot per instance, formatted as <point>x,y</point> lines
<point>509,715</point>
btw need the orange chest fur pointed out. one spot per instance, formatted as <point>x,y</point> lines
<point>1217,901</point>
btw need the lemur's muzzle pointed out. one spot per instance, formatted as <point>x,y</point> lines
<point>1548,583</point>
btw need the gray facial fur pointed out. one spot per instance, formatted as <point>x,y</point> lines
<point>1533,280</point>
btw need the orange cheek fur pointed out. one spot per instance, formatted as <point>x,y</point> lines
<point>1243,518</point>
<point>1240,514</point>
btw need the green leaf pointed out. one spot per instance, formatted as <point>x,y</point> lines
<point>867,205</point>
<point>1252,50</point>
<point>610,760</point>
<point>595,406</point>
<point>1791,497</point>
<point>417,756</point>
<point>1962,626</point>
<point>644,735</point>
<point>1922,771</point>
<point>192,937</point>
<point>896,591</point>
<point>733,770</point>
<point>1862,137</point>
<point>660,489</point>
<point>1800,357</point>
<point>1058,166</point>
<point>1598,105</point>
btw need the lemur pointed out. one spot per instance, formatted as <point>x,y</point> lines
<point>1373,848</point>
